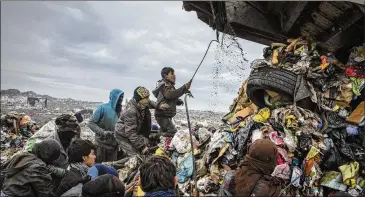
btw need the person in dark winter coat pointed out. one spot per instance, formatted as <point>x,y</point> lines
<point>101,169</point>
<point>81,157</point>
<point>26,174</point>
<point>166,93</point>
<point>105,185</point>
<point>102,123</point>
<point>254,178</point>
<point>134,126</point>
<point>158,177</point>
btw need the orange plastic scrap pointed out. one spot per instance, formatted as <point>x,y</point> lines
<point>324,63</point>
<point>358,114</point>
<point>244,112</point>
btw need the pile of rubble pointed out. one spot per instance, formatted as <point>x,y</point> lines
<point>15,130</point>
<point>321,142</point>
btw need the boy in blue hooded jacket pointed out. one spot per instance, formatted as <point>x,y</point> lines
<point>102,123</point>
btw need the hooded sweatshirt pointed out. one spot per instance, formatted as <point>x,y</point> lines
<point>254,177</point>
<point>26,174</point>
<point>166,93</point>
<point>104,119</point>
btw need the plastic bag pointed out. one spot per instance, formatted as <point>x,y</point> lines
<point>290,141</point>
<point>243,136</point>
<point>332,158</point>
<point>262,115</point>
<point>185,169</point>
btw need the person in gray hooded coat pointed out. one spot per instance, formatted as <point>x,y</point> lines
<point>26,174</point>
<point>166,93</point>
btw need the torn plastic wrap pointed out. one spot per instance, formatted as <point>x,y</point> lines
<point>181,141</point>
<point>282,171</point>
<point>243,136</point>
<point>350,173</point>
<point>333,180</point>
<point>206,185</point>
<point>295,178</point>
<point>339,139</point>
<point>185,168</point>
<point>228,186</point>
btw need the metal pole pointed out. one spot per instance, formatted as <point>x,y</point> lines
<point>191,142</point>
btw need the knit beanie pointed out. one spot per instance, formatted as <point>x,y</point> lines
<point>66,122</point>
<point>47,150</point>
<point>140,93</point>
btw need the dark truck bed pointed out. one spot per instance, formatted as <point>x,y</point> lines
<point>337,25</point>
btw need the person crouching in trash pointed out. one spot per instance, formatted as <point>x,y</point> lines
<point>26,173</point>
<point>134,126</point>
<point>64,129</point>
<point>254,178</point>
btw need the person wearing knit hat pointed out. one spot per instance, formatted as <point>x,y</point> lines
<point>27,174</point>
<point>134,126</point>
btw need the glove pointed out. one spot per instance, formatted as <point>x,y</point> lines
<point>179,102</point>
<point>187,85</point>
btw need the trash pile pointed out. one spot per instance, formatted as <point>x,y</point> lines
<point>15,131</point>
<point>321,143</point>
<point>322,150</point>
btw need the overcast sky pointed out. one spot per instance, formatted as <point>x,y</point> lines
<point>82,50</point>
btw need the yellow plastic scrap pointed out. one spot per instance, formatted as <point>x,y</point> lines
<point>262,116</point>
<point>140,191</point>
<point>291,121</point>
<point>312,153</point>
<point>350,172</point>
<point>161,152</point>
<point>221,152</point>
<point>275,56</point>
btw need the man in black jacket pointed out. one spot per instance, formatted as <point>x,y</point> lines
<point>27,174</point>
<point>166,93</point>
<point>134,126</point>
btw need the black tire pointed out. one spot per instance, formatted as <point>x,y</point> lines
<point>278,80</point>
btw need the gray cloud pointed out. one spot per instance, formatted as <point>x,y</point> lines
<point>84,49</point>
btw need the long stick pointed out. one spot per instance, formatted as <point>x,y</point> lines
<point>191,140</point>
<point>191,80</point>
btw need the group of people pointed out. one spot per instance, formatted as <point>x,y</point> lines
<point>127,133</point>
<point>65,165</point>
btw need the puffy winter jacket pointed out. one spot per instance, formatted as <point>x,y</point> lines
<point>165,92</point>
<point>104,119</point>
<point>132,127</point>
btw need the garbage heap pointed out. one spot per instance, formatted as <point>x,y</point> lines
<point>15,131</point>
<point>321,143</point>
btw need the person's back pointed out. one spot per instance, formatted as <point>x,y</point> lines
<point>158,177</point>
<point>254,178</point>
<point>27,174</point>
<point>102,123</point>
